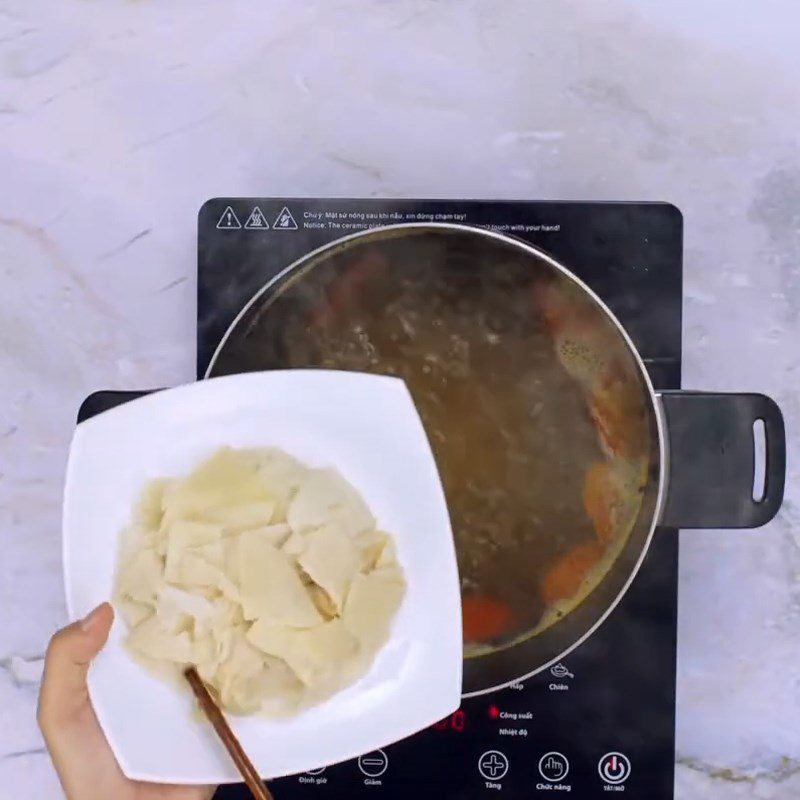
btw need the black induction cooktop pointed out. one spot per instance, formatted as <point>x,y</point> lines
<point>603,720</point>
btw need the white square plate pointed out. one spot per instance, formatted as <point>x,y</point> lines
<point>367,428</point>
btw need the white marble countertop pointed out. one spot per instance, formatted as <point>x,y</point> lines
<point>118,119</point>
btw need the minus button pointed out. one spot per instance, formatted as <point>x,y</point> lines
<point>374,764</point>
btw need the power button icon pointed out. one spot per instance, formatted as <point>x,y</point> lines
<point>614,768</point>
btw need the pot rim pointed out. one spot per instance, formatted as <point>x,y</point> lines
<point>530,249</point>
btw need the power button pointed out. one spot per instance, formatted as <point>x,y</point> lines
<point>614,768</point>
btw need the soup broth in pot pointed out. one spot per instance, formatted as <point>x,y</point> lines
<point>529,400</point>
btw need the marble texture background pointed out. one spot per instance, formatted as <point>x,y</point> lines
<point>118,119</point>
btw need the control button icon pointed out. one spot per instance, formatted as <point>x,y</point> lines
<point>560,671</point>
<point>374,764</point>
<point>553,767</point>
<point>614,768</point>
<point>493,765</point>
<point>317,771</point>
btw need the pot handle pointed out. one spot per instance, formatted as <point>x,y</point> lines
<point>712,459</point>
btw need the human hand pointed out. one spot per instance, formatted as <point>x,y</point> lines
<point>81,755</point>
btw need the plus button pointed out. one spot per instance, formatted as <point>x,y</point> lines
<point>493,765</point>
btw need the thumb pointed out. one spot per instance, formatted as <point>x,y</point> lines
<point>67,663</point>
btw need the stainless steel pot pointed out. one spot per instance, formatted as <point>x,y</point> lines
<point>669,459</point>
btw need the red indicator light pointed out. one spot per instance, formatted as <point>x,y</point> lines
<point>494,712</point>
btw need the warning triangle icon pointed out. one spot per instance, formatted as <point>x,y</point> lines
<point>229,221</point>
<point>256,221</point>
<point>285,221</point>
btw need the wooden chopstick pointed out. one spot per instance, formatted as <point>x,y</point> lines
<point>217,719</point>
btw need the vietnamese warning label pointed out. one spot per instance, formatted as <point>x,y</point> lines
<point>347,221</point>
